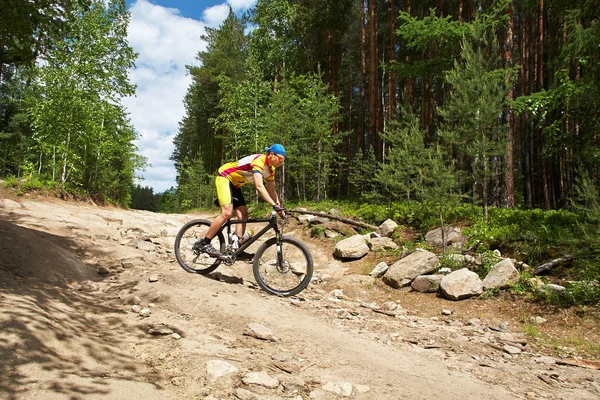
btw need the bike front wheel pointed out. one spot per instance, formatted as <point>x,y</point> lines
<point>283,268</point>
<point>186,252</point>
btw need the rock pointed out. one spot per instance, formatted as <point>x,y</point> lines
<point>446,312</point>
<point>244,394</point>
<point>511,349</point>
<point>260,332</point>
<point>382,244</point>
<point>444,271</point>
<point>427,283</point>
<point>153,278</point>
<point>554,288</point>
<point>379,269</point>
<point>160,330</point>
<point>354,247</point>
<point>145,246</point>
<point>261,379</point>
<point>461,284</point>
<point>403,271</point>
<point>331,234</point>
<point>387,228</point>
<point>216,369</point>
<point>502,275</point>
<point>538,320</point>
<point>145,313</point>
<point>337,293</point>
<point>452,236</point>
<point>177,381</point>
<point>103,270</point>
<point>306,218</point>
<point>343,389</point>
<point>9,204</point>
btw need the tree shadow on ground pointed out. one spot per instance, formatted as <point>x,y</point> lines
<point>56,335</point>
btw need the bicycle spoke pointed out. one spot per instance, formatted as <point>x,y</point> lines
<point>287,277</point>
<point>188,255</point>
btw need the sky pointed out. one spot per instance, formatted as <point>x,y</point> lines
<point>166,36</point>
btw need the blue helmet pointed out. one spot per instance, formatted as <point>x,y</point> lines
<point>277,149</point>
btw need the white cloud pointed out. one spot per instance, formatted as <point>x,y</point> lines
<point>215,15</point>
<point>241,5</point>
<point>165,42</point>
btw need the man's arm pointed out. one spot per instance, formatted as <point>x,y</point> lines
<point>273,192</point>
<point>263,192</point>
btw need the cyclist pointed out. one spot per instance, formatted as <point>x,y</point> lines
<point>231,177</point>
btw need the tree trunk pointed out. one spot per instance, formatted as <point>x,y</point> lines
<point>344,220</point>
<point>373,86</point>
<point>63,176</point>
<point>391,75</point>
<point>362,115</point>
<point>509,189</point>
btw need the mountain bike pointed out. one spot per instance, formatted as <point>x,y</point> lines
<point>282,265</point>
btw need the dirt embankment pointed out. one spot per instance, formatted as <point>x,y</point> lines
<point>93,306</point>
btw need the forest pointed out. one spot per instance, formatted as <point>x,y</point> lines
<point>64,68</point>
<point>494,103</point>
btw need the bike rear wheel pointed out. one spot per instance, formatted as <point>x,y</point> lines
<point>284,268</point>
<point>189,258</point>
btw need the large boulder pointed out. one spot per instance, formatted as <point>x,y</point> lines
<point>387,227</point>
<point>403,271</point>
<point>382,244</point>
<point>461,284</point>
<point>502,275</point>
<point>452,236</point>
<point>354,247</point>
<point>427,283</point>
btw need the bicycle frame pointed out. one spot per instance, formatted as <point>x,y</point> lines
<point>272,224</point>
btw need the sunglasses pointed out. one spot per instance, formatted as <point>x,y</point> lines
<point>281,158</point>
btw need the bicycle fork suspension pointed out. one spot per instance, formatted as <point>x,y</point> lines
<point>279,246</point>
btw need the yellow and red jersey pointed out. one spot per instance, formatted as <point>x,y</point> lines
<point>241,172</point>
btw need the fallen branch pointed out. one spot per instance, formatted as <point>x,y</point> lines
<point>579,362</point>
<point>344,220</point>
<point>559,262</point>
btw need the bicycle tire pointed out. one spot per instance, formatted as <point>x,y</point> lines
<point>187,258</point>
<point>283,280</point>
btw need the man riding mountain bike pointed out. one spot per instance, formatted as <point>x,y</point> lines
<point>231,177</point>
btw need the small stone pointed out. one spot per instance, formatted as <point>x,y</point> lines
<point>538,320</point>
<point>244,394</point>
<point>260,332</point>
<point>343,389</point>
<point>446,312</point>
<point>177,381</point>
<point>215,369</point>
<point>160,330</point>
<point>176,336</point>
<point>511,349</point>
<point>103,270</point>
<point>260,379</point>
<point>145,313</point>
<point>379,269</point>
<point>153,278</point>
<point>136,308</point>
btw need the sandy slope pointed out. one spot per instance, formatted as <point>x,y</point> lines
<point>68,332</point>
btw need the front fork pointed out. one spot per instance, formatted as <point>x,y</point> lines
<point>279,245</point>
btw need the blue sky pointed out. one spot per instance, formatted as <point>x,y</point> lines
<point>166,35</point>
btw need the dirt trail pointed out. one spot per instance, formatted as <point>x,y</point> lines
<point>74,278</point>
